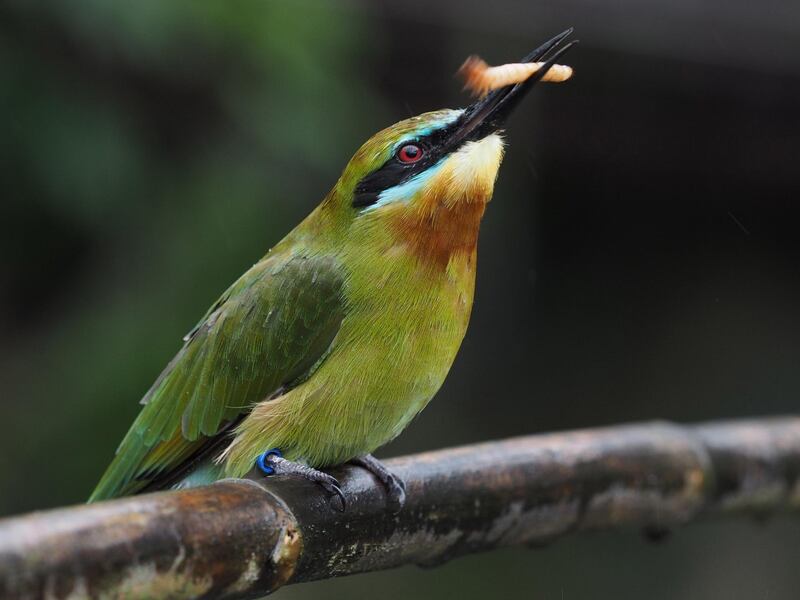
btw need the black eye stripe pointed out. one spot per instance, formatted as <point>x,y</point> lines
<point>393,172</point>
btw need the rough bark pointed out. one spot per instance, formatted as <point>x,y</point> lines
<point>246,538</point>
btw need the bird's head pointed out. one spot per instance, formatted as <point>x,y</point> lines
<point>429,177</point>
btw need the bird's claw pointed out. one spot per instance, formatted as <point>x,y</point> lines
<point>396,493</point>
<point>272,462</point>
<point>395,487</point>
<point>331,485</point>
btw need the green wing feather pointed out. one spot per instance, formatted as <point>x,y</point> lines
<point>266,333</point>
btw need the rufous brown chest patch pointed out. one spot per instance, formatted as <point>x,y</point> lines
<point>435,234</point>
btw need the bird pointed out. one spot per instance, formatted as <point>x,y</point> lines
<point>328,346</point>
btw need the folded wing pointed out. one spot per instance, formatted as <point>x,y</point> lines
<point>265,334</point>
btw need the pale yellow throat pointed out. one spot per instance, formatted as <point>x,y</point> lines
<point>470,172</point>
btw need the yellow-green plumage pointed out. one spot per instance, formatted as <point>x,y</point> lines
<point>328,346</point>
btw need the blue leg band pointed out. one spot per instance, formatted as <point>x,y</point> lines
<point>261,461</point>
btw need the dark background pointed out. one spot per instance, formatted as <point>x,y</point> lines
<point>639,260</point>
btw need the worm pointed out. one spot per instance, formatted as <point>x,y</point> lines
<point>479,78</point>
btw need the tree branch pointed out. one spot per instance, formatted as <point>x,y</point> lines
<point>243,539</point>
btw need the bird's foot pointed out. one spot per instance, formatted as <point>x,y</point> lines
<point>394,486</point>
<point>272,462</point>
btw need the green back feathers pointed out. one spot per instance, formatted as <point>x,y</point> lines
<point>263,335</point>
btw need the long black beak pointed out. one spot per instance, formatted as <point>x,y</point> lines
<point>488,114</point>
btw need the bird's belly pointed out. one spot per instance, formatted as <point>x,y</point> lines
<point>382,381</point>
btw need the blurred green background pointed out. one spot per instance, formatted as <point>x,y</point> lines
<point>639,261</point>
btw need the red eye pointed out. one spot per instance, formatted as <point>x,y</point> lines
<point>410,153</point>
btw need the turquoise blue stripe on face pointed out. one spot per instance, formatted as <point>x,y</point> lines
<point>406,190</point>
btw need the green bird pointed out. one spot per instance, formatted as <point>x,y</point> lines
<point>329,345</point>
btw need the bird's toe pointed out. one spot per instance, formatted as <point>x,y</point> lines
<point>395,493</point>
<point>334,489</point>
